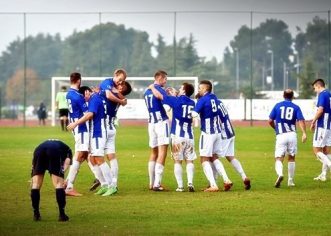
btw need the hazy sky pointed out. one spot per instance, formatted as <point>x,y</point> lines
<point>212,31</point>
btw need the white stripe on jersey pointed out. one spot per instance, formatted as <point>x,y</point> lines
<point>287,128</point>
<point>185,125</point>
<point>207,125</point>
<point>280,129</point>
<point>177,131</point>
<point>156,117</point>
<point>325,120</point>
<point>229,127</point>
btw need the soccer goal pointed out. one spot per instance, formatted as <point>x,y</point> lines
<point>135,108</point>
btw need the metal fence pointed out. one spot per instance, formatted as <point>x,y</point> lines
<point>243,53</point>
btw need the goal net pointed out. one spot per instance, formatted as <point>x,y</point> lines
<point>135,108</point>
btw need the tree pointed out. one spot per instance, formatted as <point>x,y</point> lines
<point>306,79</point>
<point>314,43</point>
<point>15,86</point>
<point>271,35</point>
<point>43,56</point>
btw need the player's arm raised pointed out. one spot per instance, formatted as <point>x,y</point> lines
<point>113,98</point>
<point>155,92</point>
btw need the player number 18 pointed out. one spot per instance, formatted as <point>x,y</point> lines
<point>286,113</point>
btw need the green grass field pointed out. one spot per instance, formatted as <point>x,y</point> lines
<point>302,210</point>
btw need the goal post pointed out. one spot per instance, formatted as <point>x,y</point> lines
<point>135,109</point>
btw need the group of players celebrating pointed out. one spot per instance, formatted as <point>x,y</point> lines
<point>92,114</point>
<point>216,139</point>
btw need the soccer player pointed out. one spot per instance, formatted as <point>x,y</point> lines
<point>77,107</point>
<point>210,137</point>
<point>182,138</point>
<point>62,105</point>
<point>54,156</point>
<point>282,119</point>
<point>97,115</point>
<point>321,125</point>
<point>158,130</point>
<point>107,87</point>
<point>121,90</point>
<point>228,140</point>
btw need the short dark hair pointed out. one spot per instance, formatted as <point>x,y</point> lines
<point>189,89</point>
<point>74,77</point>
<point>128,88</point>
<point>82,89</point>
<point>288,94</point>
<point>64,88</point>
<point>160,72</point>
<point>319,82</point>
<point>208,83</point>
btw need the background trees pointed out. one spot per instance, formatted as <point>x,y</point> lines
<point>101,49</point>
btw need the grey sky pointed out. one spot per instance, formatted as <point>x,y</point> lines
<point>212,31</point>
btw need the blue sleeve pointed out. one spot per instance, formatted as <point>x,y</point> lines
<point>169,100</point>
<point>323,100</point>
<point>299,114</point>
<point>93,105</point>
<point>272,115</point>
<point>162,91</point>
<point>83,104</point>
<point>199,105</point>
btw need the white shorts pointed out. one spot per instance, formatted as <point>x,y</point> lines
<point>82,142</point>
<point>98,146</point>
<point>158,133</point>
<point>286,143</point>
<point>322,138</point>
<point>210,144</point>
<point>182,149</point>
<point>227,147</point>
<point>110,141</point>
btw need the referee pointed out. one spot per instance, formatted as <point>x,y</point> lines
<point>55,156</point>
<point>62,105</point>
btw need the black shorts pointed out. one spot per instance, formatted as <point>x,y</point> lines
<point>63,112</point>
<point>47,159</point>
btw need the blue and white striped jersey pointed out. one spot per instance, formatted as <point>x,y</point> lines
<point>98,125</point>
<point>182,108</point>
<point>106,84</point>
<point>77,107</point>
<point>207,108</point>
<point>154,106</point>
<point>285,114</point>
<point>111,107</point>
<point>323,100</point>
<point>227,129</point>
